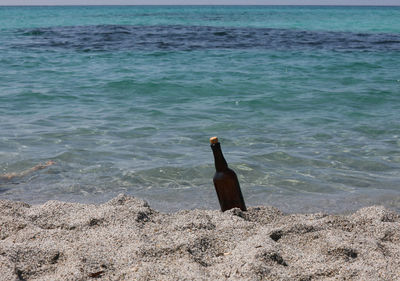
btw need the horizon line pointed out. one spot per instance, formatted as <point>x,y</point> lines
<point>188,5</point>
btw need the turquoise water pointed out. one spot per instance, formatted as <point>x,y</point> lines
<point>305,101</point>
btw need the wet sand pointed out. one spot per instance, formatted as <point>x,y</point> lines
<point>125,239</point>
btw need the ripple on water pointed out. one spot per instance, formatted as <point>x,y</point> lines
<point>307,118</point>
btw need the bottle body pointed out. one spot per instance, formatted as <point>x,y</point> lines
<point>226,182</point>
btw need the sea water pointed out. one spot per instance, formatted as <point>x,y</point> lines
<point>305,102</point>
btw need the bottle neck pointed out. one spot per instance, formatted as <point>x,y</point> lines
<point>219,160</point>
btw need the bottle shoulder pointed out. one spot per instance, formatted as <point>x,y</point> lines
<point>225,173</point>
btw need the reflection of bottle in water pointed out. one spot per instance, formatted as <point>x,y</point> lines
<point>225,181</point>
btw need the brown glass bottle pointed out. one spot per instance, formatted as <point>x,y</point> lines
<point>225,181</point>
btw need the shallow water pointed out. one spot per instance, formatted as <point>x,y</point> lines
<point>305,101</point>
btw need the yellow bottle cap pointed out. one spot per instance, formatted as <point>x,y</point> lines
<point>213,140</point>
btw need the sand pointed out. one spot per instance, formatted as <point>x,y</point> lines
<point>124,239</point>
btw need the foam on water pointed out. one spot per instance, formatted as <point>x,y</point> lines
<point>308,117</point>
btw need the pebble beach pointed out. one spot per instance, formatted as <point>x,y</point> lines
<point>125,239</point>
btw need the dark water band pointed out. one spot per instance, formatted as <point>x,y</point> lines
<point>186,38</point>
